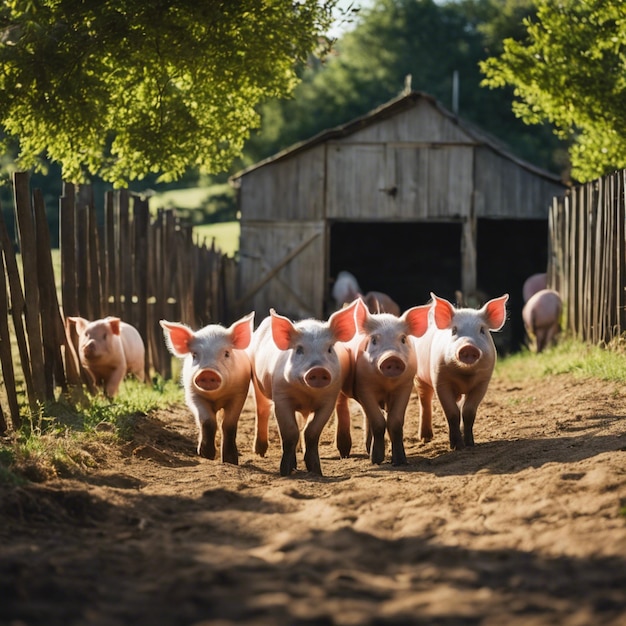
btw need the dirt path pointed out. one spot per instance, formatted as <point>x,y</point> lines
<point>523,529</point>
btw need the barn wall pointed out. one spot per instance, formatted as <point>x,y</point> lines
<point>422,123</point>
<point>505,189</point>
<point>290,188</point>
<point>398,181</point>
<point>289,256</point>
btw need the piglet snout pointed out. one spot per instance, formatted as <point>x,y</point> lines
<point>207,380</point>
<point>318,377</point>
<point>469,354</point>
<point>391,366</point>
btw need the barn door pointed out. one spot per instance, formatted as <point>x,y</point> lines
<point>282,267</point>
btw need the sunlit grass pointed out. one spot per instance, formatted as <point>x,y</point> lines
<point>567,357</point>
<point>226,235</point>
<point>66,437</point>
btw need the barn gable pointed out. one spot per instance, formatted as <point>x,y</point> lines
<point>399,197</point>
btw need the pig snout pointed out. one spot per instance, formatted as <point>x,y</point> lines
<point>469,354</point>
<point>318,377</point>
<point>391,365</point>
<point>89,349</point>
<point>207,380</point>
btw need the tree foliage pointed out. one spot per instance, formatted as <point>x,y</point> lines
<point>424,39</point>
<point>126,88</point>
<point>570,70</point>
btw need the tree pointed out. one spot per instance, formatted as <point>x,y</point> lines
<point>126,88</point>
<point>429,41</point>
<point>570,70</point>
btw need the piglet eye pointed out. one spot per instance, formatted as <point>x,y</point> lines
<point>227,354</point>
<point>403,340</point>
<point>194,356</point>
<point>330,349</point>
<point>299,350</point>
<point>455,330</point>
<point>482,330</point>
<point>374,342</point>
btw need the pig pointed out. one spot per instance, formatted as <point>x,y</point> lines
<point>455,358</point>
<point>108,350</point>
<point>542,317</point>
<point>533,284</point>
<point>297,367</point>
<point>346,289</point>
<point>379,302</point>
<point>216,376</point>
<point>383,364</point>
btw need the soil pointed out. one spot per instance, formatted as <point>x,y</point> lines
<point>527,527</point>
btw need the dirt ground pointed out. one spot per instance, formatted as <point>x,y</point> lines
<point>523,529</point>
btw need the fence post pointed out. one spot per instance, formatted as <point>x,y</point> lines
<point>28,248</point>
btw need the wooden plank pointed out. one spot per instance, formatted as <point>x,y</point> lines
<point>141,220</point>
<point>67,242</point>
<point>51,322</point>
<point>282,263</point>
<point>28,248</point>
<point>6,356</point>
<point>95,281</point>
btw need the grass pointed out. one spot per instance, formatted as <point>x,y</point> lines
<point>66,437</point>
<point>568,357</point>
<point>225,234</point>
<point>190,198</point>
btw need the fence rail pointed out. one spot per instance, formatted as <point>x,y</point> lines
<point>139,267</point>
<point>587,264</point>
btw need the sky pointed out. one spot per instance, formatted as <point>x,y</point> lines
<point>339,28</point>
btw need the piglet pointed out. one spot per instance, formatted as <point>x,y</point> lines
<point>542,316</point>
<point>297,367</point>
<point>455,359</point>
<point>216,376</point>
<point>384,366</point>
<point>109,349</point>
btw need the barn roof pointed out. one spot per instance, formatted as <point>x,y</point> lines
<point>401,103</point>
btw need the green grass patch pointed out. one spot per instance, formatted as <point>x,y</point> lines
<point>225,234</point>
<point>567,357</point>
<point>66,437</point>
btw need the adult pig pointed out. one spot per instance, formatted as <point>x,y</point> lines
<point>379,302</point>
<point>542,317</point>
<point>533,284</point>
<point>346,289</point>
<point>455,359</point>
<point>297,367</point>
<point>216,376</point>
<point>384,367</point>
<point>109,349</point>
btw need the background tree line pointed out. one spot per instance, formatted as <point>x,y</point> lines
<point>232,86</point>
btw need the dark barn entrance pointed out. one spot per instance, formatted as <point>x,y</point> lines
<point>407,260</point>
<point>508,252</point>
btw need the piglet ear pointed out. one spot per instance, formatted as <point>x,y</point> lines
<point>417,319</point>
<point>495,312</point>
<point>241,331</point>
<point>114,324</point>
<point>79,322</point>
<point>443,312</point>
<point>360,314</point>
<point>343,323</point>
<point>283,330</point>
<point>177,337</point>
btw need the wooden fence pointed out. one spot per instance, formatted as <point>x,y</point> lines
<point>587,263</point>
<point>139,267</point>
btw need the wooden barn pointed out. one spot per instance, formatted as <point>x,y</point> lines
<point>409,198</point>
